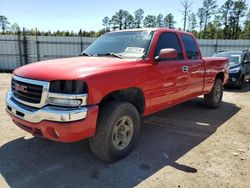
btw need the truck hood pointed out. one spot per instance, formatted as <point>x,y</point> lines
<point>72,68</point>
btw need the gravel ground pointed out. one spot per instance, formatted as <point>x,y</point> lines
<point>184,146</point>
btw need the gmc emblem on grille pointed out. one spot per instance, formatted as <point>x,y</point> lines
<point>21,88</point>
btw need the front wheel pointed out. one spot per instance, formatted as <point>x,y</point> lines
<point>117,130</point>
<point>240,82</point>
<point>213,99</point>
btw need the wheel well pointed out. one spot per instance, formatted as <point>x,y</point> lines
<point>134,96</point>
<point>220,76</point>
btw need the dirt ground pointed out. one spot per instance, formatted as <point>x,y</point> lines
<point>185,146</point>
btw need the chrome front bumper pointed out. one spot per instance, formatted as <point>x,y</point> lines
<point>50,113</point>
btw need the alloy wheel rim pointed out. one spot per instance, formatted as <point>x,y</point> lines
<point>122,133</point>
<point>217,93</point>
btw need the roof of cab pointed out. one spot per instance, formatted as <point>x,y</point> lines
<point>151,29</point>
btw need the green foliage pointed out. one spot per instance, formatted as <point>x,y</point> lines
<point>4,23</point>
<point>209,7</point>
<point>122,20</point>
<point>138,18</point>
<point>225,12</point>
<point>14,28</point>
<point>245,34</point>
<point>201,20</point>
<point>169,21</point>
<point>192,22</point>
<point>226,22</point>
<point>150,21</point>
<point>159,20</point>
<point>231,13</point>
<point>105,23</point>
<point>129,22</point>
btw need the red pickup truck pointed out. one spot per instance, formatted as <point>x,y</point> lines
<point>119,78</point>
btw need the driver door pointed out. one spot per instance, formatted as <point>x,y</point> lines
<point>169,77</point>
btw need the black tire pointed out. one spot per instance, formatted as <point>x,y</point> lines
<point>240,82</point>
<point>213,99</point>
<point>102,143</point>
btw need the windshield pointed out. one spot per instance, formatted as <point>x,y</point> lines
<point>128,44</point>
<point>234,58</point>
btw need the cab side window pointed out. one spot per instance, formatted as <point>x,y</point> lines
<point>169,40</point>
<point>190,46</point>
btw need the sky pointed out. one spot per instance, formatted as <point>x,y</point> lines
<point>81,14</point>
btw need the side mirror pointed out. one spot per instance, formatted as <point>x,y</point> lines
<point>166,54</point>
<point>246,62</point>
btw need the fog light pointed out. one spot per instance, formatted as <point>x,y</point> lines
<point>65,102</point>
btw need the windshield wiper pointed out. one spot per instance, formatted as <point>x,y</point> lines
<point>85,54</point>
<point>110,54</point>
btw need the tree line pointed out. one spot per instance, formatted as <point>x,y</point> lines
<point>229,21</point>
<point>10,29</point>
<point>122,19</point>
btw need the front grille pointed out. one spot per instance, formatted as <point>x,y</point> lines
<point>26,91</point>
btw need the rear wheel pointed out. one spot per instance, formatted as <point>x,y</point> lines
<point>213,99</point>
<point>117,130</point>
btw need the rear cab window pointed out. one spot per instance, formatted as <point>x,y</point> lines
<point>169,40</point>
<point>190,47</point>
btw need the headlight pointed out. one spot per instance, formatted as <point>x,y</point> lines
<point>234,70</point>
<point>68,93</point>
<point>68,87</point>
<point>65,102</point>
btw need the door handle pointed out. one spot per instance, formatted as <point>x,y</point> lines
<point>185,68</point>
